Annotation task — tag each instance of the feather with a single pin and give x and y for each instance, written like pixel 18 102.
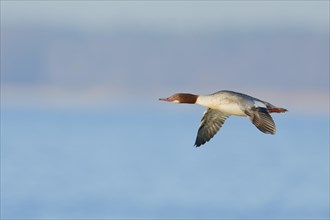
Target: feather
pixel 211 122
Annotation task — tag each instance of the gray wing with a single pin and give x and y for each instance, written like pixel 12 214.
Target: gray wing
pixel 262 120
pixel 210 124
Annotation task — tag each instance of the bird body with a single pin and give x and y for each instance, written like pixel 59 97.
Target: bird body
pixel 221 102
pixel 225 103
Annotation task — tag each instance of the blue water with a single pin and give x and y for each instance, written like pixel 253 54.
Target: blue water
pixel 141 163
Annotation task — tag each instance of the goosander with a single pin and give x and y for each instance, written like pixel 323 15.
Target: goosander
pixel 223 104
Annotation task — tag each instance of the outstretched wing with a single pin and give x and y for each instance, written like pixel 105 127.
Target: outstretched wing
pixel 262 120
pixel 210 124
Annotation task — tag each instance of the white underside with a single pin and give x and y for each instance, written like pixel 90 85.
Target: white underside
pixel 230 108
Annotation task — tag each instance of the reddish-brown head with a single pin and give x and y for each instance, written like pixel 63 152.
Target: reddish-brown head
pixel 181 98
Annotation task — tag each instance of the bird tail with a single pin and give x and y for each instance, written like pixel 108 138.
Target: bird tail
pixel 277 110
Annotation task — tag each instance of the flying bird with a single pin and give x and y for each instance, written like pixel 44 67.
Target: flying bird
pixel 223 104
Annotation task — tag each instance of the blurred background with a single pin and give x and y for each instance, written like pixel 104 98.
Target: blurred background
pixel 83 134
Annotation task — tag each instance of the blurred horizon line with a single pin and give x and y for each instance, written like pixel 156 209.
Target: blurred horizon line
pixel 305 102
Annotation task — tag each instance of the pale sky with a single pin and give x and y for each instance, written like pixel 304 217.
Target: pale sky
pixel 175 15
pixel 166 15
